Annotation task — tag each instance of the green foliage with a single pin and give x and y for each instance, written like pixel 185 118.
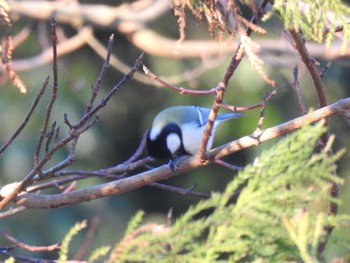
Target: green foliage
pixel 63 254
pixel 135 222
pixel 10 260
pixel 98 253
pixel 64 250
pixel 318 20
pixel 274 218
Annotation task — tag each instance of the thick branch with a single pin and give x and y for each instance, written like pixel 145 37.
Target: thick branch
pixel 184 165
pixel 131 20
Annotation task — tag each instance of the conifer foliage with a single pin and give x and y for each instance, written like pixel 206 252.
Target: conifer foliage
pixel 273 218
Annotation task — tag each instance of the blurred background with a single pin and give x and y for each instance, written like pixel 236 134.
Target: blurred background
pixel 131 110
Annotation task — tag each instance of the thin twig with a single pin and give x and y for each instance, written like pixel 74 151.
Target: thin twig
pixel 251 107
pixel 219 97
pixel 115 62
pixel 297 90
pixel 87 240
pixel 12 211
pixel 261 118
pixel 98 84
pixel 74 175
pixel 26 118
pixel 184 165
pixel 49 137
pixel 181 90
pixel 126 167
pixel 127 164
pixel 33 260
pixel 321 97
pixel 181 191
pixel 37 168
pixel 74 132
pixel 228 165
pixel 20 244
pixel 53 94
pixel 310 64
pixel 104 101
pixel 324 70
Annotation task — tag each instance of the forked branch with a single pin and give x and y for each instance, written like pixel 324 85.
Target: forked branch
pixel 186 164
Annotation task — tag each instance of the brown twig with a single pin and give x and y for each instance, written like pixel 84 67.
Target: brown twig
pixel 251 107
pixel 181 191
pixel 261 117
pixel 12 211
pixel 317 82
pixel 53 94
pixel 219 97
pixel 27 117
pixel 37 168
pixel 310 64
pixel 96 87
pixel 49 137
pixel 227 165
pixel 324 70
pixel 30 259
pixel 186 164
pixel 336 30
pixel 87 240
pixel 77 129
pixel 297 90
pixel 20 244
pixel 181 90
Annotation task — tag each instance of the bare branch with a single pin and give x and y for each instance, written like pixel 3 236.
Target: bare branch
pixel 261 119
pixel 20 244
pixel 53 94
pixel 76 131
pixel 180 191
pixel 45 57
pixel 164 172
pixel 12 211
pixel 297 90
pixel 324 70
pixel 83 249
pixel 310 64
pixel 235 61
pixel 27 117
pixel 251 107
pixel 96 87
pixel 340 107
pixel 227 165
pixel 181 90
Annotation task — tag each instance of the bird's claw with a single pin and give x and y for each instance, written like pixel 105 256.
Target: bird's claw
pixel 174 163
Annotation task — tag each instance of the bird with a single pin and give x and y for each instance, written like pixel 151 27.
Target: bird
pixel 178 131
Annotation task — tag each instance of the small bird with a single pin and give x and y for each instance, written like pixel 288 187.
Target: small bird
pixel 179 130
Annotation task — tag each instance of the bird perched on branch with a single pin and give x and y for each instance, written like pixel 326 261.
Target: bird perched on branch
pixel 179 131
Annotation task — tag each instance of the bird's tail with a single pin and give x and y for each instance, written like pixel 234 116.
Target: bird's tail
pixel 228 116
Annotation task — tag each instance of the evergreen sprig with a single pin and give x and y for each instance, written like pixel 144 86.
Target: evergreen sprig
pixel 269 221
pixel 64 250
pixel 318 20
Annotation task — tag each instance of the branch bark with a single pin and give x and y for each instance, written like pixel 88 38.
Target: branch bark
pixel 186 164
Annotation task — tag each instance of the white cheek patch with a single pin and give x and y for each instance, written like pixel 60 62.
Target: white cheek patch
pixel 154 134
pixel 173 142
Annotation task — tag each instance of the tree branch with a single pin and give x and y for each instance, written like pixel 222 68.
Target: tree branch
pixel 219 97
pixel 27 117
pixel 186 164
